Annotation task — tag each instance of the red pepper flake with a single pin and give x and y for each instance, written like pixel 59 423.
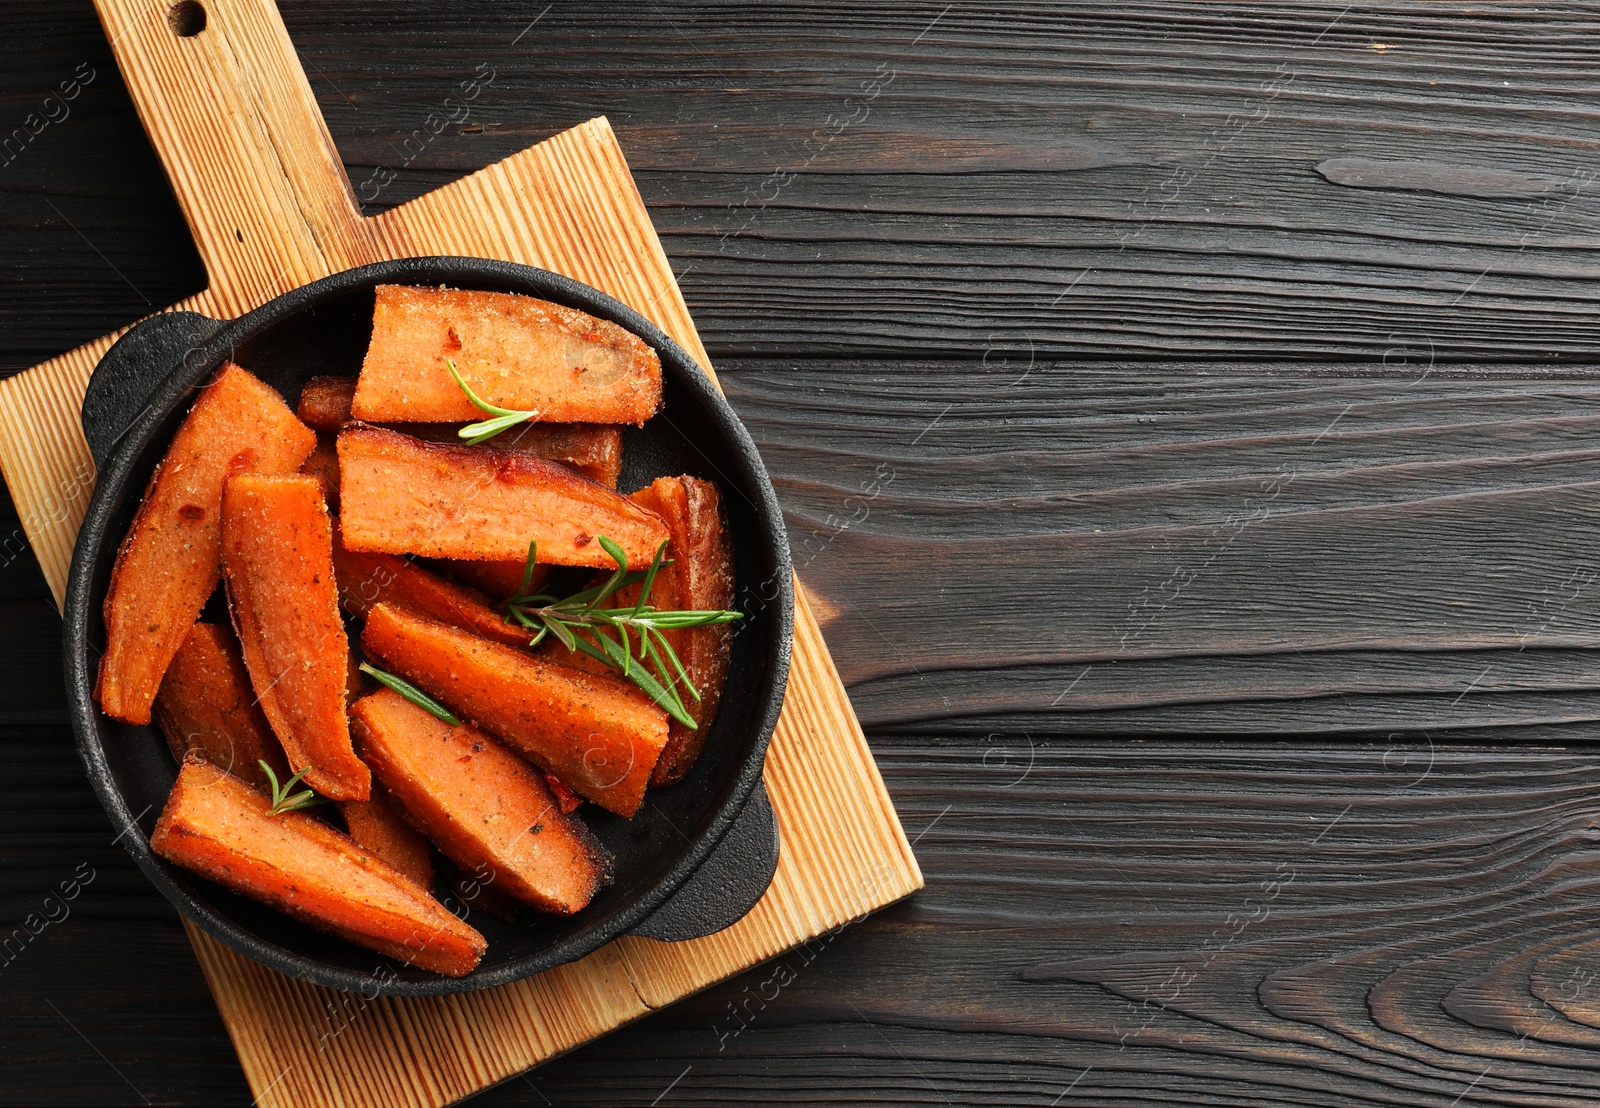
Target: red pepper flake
pixel 566 800
pixel 192 511
pixel 583 538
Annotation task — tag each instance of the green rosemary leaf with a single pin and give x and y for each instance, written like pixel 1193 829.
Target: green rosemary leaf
pixel 411 692
pixel 616 552
pixel 688 618
pixel 615 582
pixel 540 627
pixel 580 623
pixel 527 569
pixel 676 664
pixel 474 397
pixel 663 673
pixel 281 800
pixel 584 646
pixel 665 698
pixel 650 578
pixel 583 599
pixel 475 433
pixel 648 653
pixel 627 652
pixel 307 799
pixel 562 632
pixel 505 418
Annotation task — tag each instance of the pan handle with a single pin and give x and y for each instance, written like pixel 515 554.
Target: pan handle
pixel 725 888
pixel 129 373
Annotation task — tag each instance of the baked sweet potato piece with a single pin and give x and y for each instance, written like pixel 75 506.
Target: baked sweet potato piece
pixel 700 577
pixel 399 495
pixel 171 558
pixel 220 828
pixel 593 449
pixel 376 825
pixel 206 707
pixel 500 580
pixel 325 402
pixel 277 554
pixel 486 809
pixel 514 351
pixel 323 464
pixel 599 734
pixel 366 579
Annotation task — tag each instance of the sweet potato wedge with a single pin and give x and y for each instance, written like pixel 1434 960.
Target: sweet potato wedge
pixel 514 351
pixel 701 578
pixel 500 580
pixel 206 707
pixel 170 560
pixel 399 495
pixel 220 828
pixel 323 464
pixel 599 734
pixel 376 825
pixel 488 811
pixel 277 556
pixel 325 402
pixel 366 579
pixel 593 449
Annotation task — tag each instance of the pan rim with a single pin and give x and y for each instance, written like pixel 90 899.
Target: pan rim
pixel 111 489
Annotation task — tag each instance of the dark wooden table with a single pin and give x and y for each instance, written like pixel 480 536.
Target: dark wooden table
pixel 1188 422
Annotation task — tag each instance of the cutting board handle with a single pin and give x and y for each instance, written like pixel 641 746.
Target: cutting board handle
pixel 230 113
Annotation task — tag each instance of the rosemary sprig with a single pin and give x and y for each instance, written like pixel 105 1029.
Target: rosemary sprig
pixel 281 800
pixel 505 418
pixel 410 692
pixel 582 625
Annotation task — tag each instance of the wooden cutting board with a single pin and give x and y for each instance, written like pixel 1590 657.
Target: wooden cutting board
pixel 232 118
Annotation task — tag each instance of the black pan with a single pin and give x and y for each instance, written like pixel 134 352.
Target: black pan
pixel 696 857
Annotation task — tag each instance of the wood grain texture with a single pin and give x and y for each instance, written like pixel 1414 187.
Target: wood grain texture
pixel 1160 158
pixel 1446 911
pixel 1180 923
pixel 1292 553
pixel 234 123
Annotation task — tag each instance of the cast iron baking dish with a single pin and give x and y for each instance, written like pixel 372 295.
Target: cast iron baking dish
pixel 696 857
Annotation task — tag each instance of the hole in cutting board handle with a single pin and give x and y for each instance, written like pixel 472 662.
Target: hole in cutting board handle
pixel 187 18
